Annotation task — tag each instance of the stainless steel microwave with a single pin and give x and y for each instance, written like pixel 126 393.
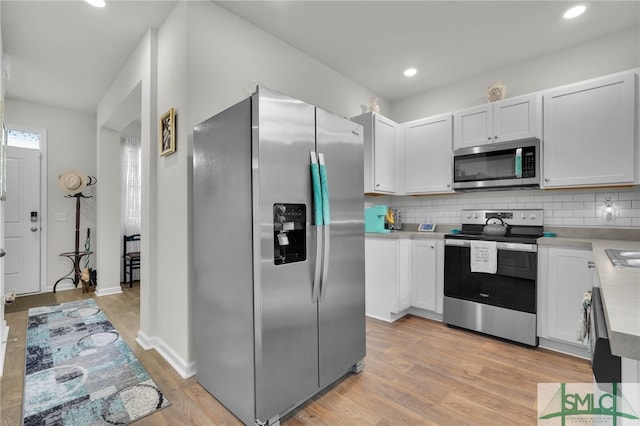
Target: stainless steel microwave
pixel 501 165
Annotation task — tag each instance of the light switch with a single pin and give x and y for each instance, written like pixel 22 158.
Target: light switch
pixel 61 217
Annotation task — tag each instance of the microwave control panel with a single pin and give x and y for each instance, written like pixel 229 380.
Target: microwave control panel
pixel 529 162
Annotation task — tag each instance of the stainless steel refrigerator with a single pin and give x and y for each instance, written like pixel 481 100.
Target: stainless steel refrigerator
pixel 279 253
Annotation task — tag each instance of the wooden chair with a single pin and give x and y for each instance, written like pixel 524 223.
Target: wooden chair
pixel 131 259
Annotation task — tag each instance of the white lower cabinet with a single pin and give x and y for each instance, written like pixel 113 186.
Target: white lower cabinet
pixel 564 275
pixel 427 274
pixel 387 285
pixel 403 273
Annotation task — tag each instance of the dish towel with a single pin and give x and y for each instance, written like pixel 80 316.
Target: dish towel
pixel 484 256
pixel 584 321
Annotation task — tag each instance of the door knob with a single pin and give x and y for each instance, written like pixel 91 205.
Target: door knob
pixel 34 229
pixel 3 252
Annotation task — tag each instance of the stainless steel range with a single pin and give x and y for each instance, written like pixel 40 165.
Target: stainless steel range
pixel 491 273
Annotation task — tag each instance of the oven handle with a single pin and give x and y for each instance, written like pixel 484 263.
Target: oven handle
pixel 531 248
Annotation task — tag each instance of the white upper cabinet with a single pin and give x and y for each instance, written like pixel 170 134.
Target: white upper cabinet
pixel 502 121
pixel 589 133
pixel 380 153
pixel 427 155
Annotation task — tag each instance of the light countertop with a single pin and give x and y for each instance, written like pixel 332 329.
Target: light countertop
pixel 413 235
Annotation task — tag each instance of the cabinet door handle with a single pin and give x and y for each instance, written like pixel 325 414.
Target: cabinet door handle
pixel 546 179
pixel 495 137
pixel 489 138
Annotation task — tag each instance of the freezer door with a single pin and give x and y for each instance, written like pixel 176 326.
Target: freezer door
pixel 342 307
pixel 286 333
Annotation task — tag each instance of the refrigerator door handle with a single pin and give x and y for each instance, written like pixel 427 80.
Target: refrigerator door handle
pixel 317 190
pixel 326 219
pixel 325 263
pixel 324 185
pixel 317 276
pixel 317 221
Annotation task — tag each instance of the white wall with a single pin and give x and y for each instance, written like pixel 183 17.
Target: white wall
pixel 607 55
pixel 228 57
pixel 71 145
pixel 174 266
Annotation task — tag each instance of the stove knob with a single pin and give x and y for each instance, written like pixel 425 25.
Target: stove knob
pixel 475 215
pixel 533 216
pixel 523 216
pixel 468 215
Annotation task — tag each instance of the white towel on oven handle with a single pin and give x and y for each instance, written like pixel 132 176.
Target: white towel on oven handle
pixel 484 256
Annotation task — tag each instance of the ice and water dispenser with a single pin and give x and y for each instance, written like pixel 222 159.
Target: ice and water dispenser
pixel 289 233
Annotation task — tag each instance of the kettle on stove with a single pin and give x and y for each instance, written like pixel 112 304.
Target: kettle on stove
pixel 495 226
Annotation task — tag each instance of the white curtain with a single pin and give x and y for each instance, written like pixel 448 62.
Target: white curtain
pixel 131 189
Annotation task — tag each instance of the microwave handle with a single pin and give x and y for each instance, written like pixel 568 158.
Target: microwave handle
pixel 518 165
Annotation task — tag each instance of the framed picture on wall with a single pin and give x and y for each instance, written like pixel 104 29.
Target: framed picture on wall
pixel 168 132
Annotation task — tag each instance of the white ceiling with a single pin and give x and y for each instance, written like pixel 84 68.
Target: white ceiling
pixel 66 53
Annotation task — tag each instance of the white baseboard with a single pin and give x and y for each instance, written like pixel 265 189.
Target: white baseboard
pixel 183 368
pixel 100 291
pixel 391 317
pixel 564 348
pixel 64 285
pixel 419 312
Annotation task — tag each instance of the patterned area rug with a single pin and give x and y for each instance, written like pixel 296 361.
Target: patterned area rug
pixel 79 371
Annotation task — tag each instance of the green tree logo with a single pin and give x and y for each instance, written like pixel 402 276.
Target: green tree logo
pixel 565 404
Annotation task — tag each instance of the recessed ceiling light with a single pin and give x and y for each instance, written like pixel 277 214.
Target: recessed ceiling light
pixel 410 72
pixel 574 12
pixel 96 3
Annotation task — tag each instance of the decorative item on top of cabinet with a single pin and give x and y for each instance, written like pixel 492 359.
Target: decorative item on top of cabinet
pixel 590 133
pixel 427 155
pixel 374 107
pixel 496 91
pixel 501 121
pixel 380 153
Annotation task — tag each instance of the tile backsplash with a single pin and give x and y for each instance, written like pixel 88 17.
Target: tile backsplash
pixel 574 208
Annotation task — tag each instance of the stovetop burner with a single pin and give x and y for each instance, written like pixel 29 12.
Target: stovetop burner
pixel 524 226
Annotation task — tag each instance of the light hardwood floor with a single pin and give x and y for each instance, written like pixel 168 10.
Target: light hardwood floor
pixel 418 372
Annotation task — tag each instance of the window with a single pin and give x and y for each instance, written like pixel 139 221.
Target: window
pixel 23 139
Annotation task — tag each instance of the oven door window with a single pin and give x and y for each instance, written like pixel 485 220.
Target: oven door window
pixel 513 286
pixel 495 165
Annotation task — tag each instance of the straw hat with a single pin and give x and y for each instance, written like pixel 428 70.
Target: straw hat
pixel 73 182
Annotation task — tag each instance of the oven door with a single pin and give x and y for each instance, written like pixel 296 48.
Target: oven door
pixel 513 286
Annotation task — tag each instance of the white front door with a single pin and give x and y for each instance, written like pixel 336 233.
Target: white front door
pixel 22 221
